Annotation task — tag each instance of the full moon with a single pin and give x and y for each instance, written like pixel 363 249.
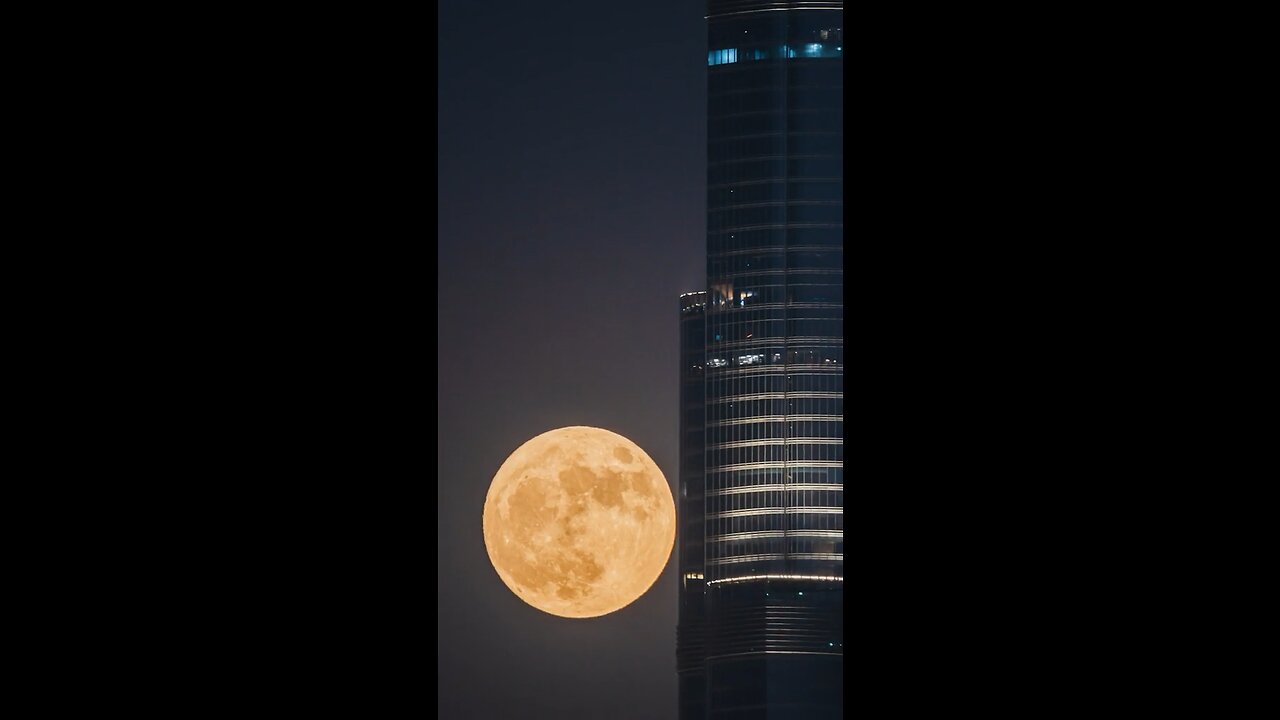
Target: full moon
pixel 579 522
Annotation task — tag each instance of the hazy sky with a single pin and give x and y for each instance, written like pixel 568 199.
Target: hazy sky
pixel 571 216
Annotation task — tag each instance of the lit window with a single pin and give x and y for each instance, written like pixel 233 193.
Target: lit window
pixel 731 55
pixel 722 57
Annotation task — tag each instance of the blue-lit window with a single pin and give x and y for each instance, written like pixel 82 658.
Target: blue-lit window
pixel 808 50
pixel 722 57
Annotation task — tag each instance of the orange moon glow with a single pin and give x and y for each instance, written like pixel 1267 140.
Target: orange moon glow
pixel 579 522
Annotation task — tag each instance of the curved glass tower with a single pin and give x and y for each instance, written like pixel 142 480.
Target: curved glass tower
pixel 762 464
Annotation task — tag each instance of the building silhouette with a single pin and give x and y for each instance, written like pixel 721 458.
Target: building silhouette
pixel 761 541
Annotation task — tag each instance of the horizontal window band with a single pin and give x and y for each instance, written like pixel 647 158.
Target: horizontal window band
pixel 776 418
pixel 780 133
pixel 769 465
pixel 775 464
pixel 762 249
pixel 726 315
pixel 794 114
pixel 812 180
pixel 746 536
pixel 732 489
pixel 753 279
pixel 807 510
pixel 777 278
pixel 758 158
pixel 779 576
pixel 833 509
pixel 775 250
pixel 780 226
pixel 775 487
pixel 775 556
pixel 807 344
pixel 700 666
pixel 745 558
pixel 780 369
pixel 769 442
pixel 773 312
pixel 785 158
pixel 772 203
pixel 776 534
pixel 806 395
pixel 720 479
pixel 713 397
pixel 746 182
pixel 725 478
pixel 720 94
pixel 795 342
pixel 772 320
pixel 833 367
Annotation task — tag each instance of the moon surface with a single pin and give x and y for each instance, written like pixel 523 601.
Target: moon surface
pixel 579 522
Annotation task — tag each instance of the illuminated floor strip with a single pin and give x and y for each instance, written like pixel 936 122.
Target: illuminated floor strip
pixel 760 534
pixel 837 557
pixel 772 487
pixel 793 395
pixel 794 510
pixel 780 464
pixel 771 442
pixel 762 419
pixel 747 578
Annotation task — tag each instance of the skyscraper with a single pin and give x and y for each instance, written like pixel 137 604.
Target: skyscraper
pixel 761 631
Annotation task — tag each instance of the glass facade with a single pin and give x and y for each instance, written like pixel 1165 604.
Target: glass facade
pixel 762 401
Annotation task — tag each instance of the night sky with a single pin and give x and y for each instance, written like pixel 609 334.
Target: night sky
pixel 571 169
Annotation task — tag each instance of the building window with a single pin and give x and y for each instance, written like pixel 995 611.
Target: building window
pixel 722 57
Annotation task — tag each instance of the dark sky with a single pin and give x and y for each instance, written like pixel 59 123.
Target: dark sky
pixel 571 216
